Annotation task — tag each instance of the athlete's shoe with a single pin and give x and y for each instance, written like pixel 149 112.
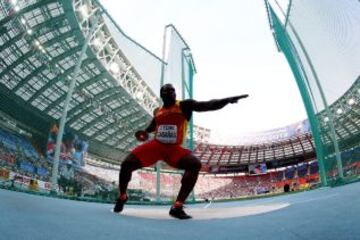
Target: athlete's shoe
pixel 119 205
pixel 178 212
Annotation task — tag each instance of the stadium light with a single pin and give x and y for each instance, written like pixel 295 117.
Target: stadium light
pixel 351 101
pixel 23 21
pixel 84 10
pixel 29 31
pixel 339 111
pixel 326 119
pixel 16 8
pixel 37 43
pixel 97 42
pixel 114 68
pixel 139 95
pixel 14 2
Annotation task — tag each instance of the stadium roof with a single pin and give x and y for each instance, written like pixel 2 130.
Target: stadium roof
pixel 346 112
pixel 40 46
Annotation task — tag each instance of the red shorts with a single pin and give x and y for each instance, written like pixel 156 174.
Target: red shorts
pixel 153 151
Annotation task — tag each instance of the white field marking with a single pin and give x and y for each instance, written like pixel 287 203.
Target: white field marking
pixel 204 214
pixel 208 205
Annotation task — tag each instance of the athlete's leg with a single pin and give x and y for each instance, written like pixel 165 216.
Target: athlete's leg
pixel 142 156
pixel 130 164
pixel 192 166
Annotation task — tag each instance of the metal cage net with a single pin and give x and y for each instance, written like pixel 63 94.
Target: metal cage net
pixel 179 70
pixel 319 40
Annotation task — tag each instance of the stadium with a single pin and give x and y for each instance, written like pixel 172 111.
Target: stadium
pixel 74 89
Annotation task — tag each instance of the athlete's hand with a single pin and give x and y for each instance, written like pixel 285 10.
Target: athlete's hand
pixel 141 135
pixel 236 98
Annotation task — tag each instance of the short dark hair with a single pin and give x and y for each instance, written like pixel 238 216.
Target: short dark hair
pixel 166 85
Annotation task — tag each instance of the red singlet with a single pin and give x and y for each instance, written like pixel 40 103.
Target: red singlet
pixel 170 132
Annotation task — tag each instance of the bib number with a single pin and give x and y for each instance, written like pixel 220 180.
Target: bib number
pixel 167 134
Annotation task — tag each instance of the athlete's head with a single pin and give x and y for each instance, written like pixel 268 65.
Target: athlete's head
pixel 167 94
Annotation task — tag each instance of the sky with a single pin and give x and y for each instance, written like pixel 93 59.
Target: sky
pixel 234 53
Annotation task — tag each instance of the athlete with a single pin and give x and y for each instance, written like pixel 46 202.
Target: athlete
pixel 169 124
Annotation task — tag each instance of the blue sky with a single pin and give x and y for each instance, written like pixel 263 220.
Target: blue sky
pixel 234 53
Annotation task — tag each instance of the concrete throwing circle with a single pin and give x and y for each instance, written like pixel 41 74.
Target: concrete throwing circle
pixel 204 213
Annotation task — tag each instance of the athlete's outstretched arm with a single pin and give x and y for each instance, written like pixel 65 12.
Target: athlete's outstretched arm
pixel 211 105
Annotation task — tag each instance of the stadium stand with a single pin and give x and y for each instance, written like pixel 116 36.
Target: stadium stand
pixel 40 45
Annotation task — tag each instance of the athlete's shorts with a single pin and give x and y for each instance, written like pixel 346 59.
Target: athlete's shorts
pixel 153 151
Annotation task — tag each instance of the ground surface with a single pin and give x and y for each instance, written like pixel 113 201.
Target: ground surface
pixel 329 213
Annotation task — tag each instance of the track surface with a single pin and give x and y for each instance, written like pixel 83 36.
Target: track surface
pixel 330 213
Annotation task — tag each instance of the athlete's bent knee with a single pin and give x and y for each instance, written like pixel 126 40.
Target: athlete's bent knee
pixel 126 165
pixel 196 165
pixel 131 163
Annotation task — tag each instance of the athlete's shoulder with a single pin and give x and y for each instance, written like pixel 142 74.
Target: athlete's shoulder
pixel 187 102
pixel 187 105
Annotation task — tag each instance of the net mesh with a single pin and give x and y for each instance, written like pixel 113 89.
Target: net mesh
pixel 319 40
pixel 178 71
